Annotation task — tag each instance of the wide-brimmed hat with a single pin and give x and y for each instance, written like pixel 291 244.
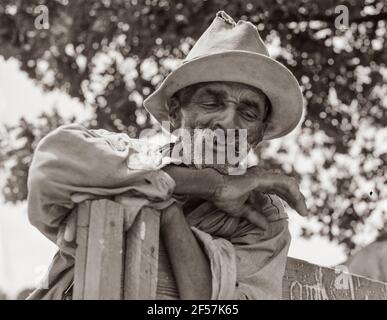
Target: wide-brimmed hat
pixel 230 51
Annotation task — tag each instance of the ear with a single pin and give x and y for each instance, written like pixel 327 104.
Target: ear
pixel 265 125
pixel 260 136
pixel 174 112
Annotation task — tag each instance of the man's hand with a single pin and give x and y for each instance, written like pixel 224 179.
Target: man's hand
pixel 241 207
pixel 233 192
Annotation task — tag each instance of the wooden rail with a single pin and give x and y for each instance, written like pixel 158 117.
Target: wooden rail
pixel 306 281
pixel 113 264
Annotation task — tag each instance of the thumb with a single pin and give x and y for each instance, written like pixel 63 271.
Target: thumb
pixel 71 228
pixel 254 216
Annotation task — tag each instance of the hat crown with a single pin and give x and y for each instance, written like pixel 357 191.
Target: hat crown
pixel 224 34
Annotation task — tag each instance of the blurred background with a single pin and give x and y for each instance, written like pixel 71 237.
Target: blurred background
pixel 94 62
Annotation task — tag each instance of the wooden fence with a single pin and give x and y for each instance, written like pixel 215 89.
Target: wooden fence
pixel 113 264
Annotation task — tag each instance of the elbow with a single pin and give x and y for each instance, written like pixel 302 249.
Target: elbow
pixel 35 178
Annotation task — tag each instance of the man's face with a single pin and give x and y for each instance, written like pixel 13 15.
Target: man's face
pixel 223 105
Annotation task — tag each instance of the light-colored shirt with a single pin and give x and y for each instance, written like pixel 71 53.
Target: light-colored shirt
pixel 73 164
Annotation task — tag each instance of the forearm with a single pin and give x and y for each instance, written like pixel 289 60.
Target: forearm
pixel 201 183
pixel 189 263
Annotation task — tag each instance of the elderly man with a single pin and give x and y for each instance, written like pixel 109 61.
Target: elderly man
pixel 222 236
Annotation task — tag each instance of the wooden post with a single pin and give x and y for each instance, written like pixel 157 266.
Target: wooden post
pixel 83 217
pixel 99 270
pixel 142 253
pixel 112 264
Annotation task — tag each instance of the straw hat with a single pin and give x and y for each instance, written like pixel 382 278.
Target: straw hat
pixel 230 51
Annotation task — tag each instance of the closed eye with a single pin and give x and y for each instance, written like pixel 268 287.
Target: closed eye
pixel 209 104
pixel 249 115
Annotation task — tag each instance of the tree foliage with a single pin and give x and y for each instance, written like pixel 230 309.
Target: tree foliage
pixel 111 54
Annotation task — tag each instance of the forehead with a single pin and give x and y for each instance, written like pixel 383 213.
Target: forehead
pixel 228 90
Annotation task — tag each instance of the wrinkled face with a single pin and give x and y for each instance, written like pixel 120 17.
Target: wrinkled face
pixel 224 105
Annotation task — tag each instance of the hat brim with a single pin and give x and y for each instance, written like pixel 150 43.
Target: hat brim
pixel 253 69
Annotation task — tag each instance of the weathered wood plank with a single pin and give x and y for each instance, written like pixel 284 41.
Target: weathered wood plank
pixel 104 264
pixel 100 263
pixel 306 281
pixel 141 261
pixel 83 218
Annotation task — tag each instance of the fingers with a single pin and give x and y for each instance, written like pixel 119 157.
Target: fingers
pixel 290 192
pixel 254 217
pixel 296 199
pixel 274 181
pixel 300 205
pixel 71 228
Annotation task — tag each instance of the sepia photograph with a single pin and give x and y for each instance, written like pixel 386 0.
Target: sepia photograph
pixel 196 150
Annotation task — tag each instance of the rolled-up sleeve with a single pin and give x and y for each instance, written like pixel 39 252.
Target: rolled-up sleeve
pixel 261 255
pixel 261 266
pixel 222 259
pixel 251 264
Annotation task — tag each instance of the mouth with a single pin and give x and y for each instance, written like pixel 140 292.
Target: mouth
pixel 222 146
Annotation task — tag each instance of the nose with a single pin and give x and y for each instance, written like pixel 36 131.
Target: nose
pixel 226 118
